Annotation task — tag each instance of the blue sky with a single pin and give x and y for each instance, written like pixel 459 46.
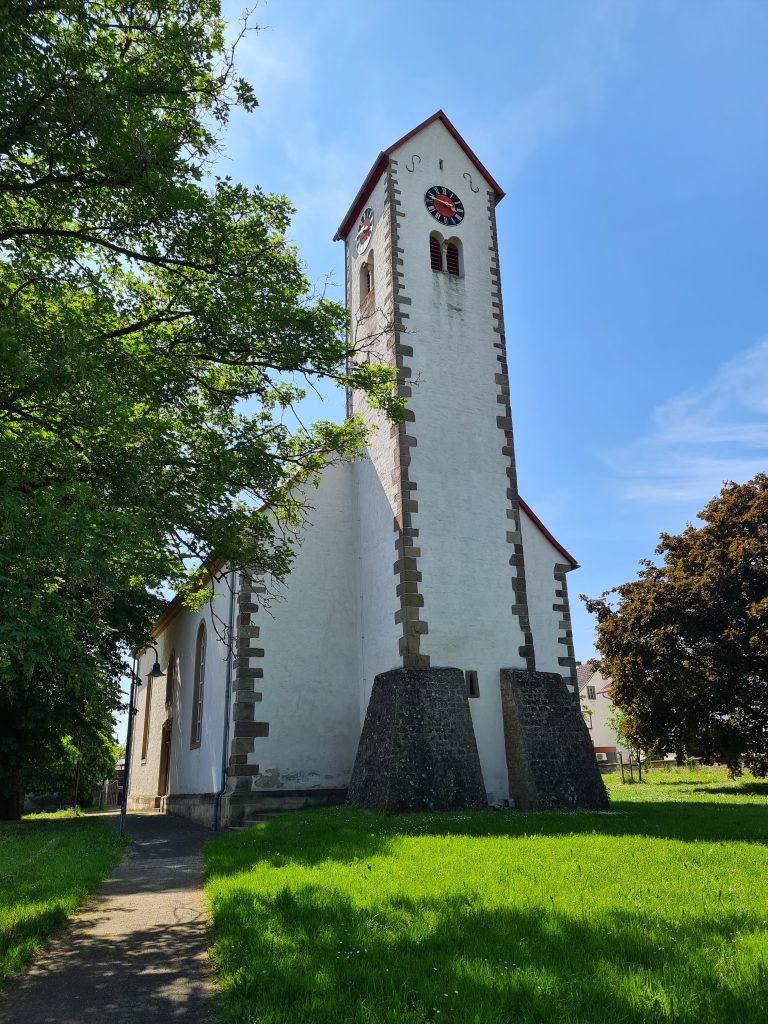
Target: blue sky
pixel 631 140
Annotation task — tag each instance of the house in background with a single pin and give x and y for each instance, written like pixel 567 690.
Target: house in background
pixel 596 703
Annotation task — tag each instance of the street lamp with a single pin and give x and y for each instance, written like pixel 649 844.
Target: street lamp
pixel 154 673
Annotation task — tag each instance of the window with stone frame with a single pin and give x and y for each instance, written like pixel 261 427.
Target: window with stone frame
pixel 198 694
pixel 591 695
pixel 170 680
pixel 366 279
pixel 147 712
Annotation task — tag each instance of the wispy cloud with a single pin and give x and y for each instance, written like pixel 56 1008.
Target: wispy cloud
pixel 700 438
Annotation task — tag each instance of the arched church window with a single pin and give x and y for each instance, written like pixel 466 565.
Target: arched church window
pixel 170 680
pixel 199 688
pixel 453 257
pixel 436 251
pixel 147 713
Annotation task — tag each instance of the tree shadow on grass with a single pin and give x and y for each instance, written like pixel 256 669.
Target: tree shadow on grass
pixel 86 978
pixel 310 954
pixel 343 833
pixel 119 960
pixel 744 788
pixel 20 940
pixel 47 867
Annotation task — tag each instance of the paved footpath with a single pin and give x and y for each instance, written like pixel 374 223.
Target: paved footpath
pixel 137 950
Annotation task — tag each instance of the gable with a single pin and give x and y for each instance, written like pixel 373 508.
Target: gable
pixel 545 533
pixel 381 162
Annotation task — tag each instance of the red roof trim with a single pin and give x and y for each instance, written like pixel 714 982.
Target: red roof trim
pixel 537 522
pixel 360 199
pixel 382 160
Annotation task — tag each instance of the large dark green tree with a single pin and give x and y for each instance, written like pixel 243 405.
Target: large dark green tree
pixel 686 643
pixel 143 301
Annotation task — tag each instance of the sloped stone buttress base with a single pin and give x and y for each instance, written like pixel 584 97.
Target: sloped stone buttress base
pixel 417 748
pixel 550 760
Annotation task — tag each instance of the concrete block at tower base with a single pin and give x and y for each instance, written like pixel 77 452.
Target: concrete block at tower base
pixel 550 760
pixel 418 749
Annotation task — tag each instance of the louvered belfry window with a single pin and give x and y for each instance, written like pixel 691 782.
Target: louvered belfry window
pixel 435 253
pixel 452 259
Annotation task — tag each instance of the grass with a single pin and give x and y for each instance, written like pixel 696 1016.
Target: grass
pixel 48 865
pixel 655 912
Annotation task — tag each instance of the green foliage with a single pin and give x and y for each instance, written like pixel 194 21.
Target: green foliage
pixel 73 769
pixel 616 721
pixel 655 913
pixel 686 644
pixel 48 865
pixel 143 301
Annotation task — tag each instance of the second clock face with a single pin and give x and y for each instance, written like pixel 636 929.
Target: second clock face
pixel 364 231
pixel 444 205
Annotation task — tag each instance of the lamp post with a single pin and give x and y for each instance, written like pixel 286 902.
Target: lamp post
pixel 153 674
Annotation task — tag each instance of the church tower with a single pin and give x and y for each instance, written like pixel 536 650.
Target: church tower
pixel 420 653
pixel 446 570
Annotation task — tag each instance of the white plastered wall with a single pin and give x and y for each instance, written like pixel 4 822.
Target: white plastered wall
pixel 192 770
pixel 376 493
pixel 311 651
pixel 600 709
pixel 457 464
pixel 145 772
pixel 541 557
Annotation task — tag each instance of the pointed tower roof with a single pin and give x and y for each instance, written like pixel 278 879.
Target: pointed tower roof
pixel 382 160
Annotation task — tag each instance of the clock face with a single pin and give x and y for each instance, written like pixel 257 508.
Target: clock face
pixel 444 205
pixel 364 231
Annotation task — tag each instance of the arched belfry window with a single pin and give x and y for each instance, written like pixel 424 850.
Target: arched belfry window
pixel 453 257
pixel 199 688
pixel 436 251
pixel 366 278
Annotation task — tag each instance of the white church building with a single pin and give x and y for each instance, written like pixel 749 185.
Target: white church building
pixel 418 556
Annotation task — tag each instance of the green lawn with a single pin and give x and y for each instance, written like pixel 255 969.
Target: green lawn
pixel 657 911
pixel 48 865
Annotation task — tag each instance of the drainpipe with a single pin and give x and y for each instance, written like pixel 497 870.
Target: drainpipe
pixel 227 709
pixel 128 745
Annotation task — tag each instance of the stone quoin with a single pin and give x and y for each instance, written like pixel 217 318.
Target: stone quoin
pixel 421 652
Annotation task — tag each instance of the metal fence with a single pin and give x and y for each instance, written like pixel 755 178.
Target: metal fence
pixel 633 769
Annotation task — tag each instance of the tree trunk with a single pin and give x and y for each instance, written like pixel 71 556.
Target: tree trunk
pixel 11 806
